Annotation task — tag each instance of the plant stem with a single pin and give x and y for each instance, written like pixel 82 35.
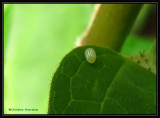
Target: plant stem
pixel 145 25
pixel 110 25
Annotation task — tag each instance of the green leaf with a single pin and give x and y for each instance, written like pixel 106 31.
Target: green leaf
pixel 111 85
pixel 144 56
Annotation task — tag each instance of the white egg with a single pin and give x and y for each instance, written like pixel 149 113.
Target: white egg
pixel 90 55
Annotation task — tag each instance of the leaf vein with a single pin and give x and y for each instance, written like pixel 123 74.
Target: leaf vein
pixel 105 97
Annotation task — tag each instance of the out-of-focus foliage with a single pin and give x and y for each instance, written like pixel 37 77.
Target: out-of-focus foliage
pixel 137 40
pixel 134 44
pixel 145 24
pixel 36 38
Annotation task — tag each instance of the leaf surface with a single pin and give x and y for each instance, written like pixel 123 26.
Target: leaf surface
pixel 112 85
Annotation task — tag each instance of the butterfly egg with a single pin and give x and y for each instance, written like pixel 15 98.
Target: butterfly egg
pixel 90 55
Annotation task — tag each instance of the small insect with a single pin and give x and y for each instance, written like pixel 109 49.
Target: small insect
pixel 90 55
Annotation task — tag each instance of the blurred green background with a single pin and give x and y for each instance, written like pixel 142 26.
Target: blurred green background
pixel 36 38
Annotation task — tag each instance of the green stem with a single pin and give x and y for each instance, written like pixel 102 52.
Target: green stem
pixel 110 25
pixel 145 24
